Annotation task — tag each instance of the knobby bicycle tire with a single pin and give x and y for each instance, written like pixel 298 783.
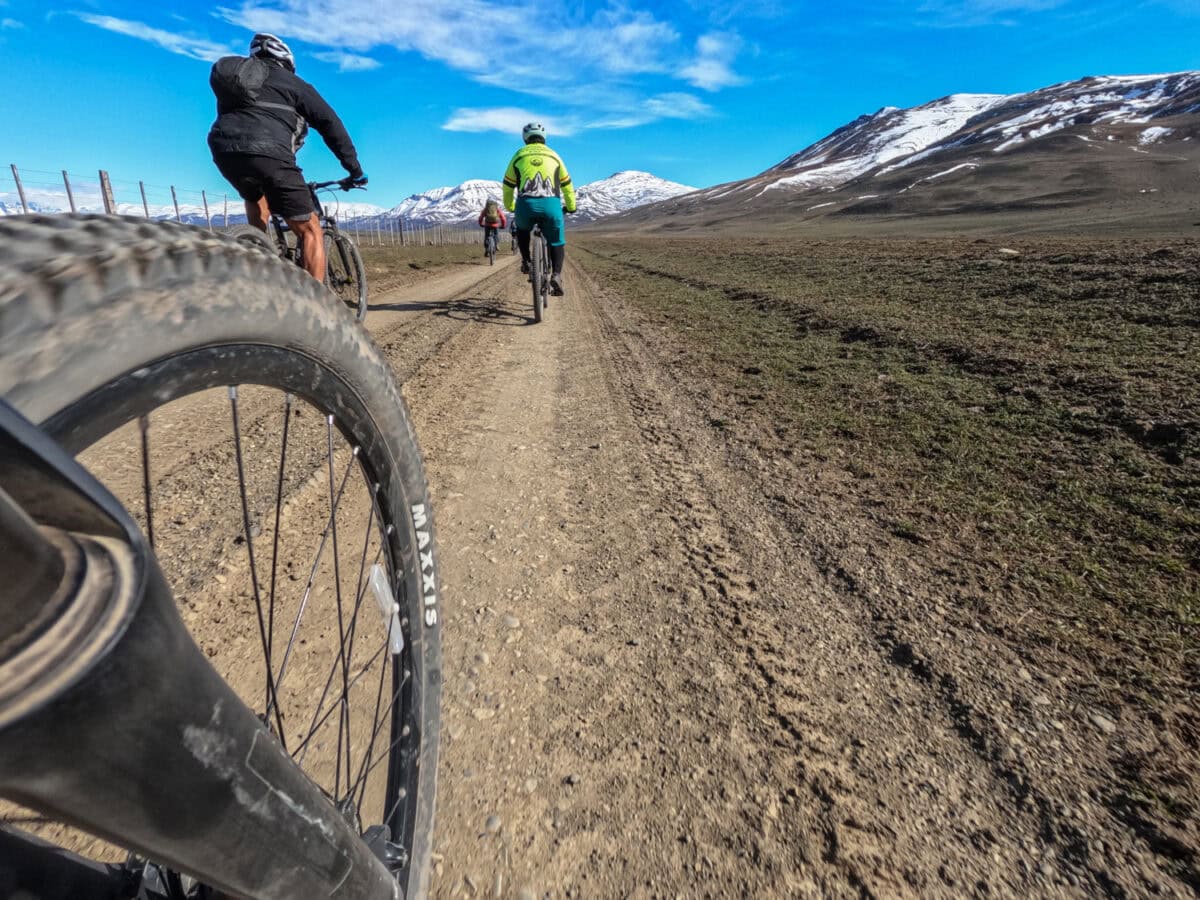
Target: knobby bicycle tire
pixel 346 275
pixel 253 237
pixel 546 272
pixel 149 313
pixel 537 276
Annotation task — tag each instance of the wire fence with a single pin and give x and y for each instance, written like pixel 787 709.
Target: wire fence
pixel 24 191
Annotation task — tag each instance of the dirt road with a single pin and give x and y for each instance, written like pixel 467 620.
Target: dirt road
pixel 675 668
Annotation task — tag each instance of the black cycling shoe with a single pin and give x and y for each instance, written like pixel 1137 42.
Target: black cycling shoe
pixel 524 267
pixel 556 285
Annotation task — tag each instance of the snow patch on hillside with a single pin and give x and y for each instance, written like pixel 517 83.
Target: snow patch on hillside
pixel 873 141
pixel 1156 133
pixel 624 191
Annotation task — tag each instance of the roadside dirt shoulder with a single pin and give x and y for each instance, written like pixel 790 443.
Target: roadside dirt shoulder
pixel 669 670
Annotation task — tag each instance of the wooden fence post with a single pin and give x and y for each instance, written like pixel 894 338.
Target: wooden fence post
pixel 70 193
pixel 175 200
pixel 20 189
pixel 207 217
pixel 106 194
pixel 145 205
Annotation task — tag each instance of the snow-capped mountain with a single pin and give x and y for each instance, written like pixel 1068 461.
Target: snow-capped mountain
pixel 50 202
pixel 449 205
pixel 456 205
pixel 1070 145
pixel 10 205
pixel 996 123
pixel 623 191
pixel 870 141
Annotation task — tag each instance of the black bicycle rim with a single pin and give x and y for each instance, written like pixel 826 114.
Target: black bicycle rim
pixel 136 395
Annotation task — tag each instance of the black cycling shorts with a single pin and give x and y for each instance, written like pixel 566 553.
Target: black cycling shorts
pixel 282 183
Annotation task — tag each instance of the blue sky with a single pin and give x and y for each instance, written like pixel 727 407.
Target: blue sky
pixel 433 93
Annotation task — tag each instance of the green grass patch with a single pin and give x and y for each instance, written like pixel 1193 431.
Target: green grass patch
pixel 1039 416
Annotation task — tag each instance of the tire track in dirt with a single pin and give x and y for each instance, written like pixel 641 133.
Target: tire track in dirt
pixel 663 677
pixel 619 580
pixel 832 763
pixel 1051 830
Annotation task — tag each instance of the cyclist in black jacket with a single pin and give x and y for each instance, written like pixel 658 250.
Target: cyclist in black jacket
pixel 263 114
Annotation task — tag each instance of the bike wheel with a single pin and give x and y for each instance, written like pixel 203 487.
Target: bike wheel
pixel 345 274
pixel 129 358
pixel 537 277
pixel 491 248
pixel 253 237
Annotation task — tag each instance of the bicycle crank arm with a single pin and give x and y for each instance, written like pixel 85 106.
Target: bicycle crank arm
pixel 113 720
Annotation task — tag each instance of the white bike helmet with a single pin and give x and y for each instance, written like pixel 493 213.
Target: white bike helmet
pixel 270 47
pixel 532 130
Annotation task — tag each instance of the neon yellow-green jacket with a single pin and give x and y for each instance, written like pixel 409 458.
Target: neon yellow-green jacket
pixel 537 171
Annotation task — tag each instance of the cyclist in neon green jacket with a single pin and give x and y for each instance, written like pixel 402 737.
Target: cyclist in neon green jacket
pixel 543 192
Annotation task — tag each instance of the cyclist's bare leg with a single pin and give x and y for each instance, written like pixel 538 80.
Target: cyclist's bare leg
pixel 258 213
pixel 312 242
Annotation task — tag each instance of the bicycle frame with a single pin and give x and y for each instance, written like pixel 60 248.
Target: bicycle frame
pixel 97 732
pixel 280 226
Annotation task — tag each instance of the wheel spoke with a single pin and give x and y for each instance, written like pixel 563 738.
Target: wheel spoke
pixel 253 568
pixel 343 719
pixel 333 669
pixel 366 766
pixel 312 575
pixel 301 748
pixel 359 593
pixel 144 428
pixel 272 700
pixel 287 419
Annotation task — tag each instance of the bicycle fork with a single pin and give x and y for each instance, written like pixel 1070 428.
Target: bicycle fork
pixel 113 720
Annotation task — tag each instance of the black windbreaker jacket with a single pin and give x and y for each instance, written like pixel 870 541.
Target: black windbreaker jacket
pixel 276 124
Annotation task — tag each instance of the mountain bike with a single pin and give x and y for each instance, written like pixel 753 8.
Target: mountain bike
pixel 345 274
pixel 539 272
pixel 490 241
pixel 220 658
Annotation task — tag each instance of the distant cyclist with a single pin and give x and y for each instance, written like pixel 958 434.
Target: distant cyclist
pixel 544 190
pixel 263 114
pixel 491 220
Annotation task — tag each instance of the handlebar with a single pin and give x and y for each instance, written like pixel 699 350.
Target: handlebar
pixel 341 183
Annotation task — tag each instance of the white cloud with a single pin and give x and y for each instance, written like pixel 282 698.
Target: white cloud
pixel 973 13
pixel 518 46
pixel 505 119
pixel 510 120
pixel 11 23
pixel 653 109
pixel 622 44
pixel 608 68
pixel 458 35
pixel 196 48
pixel 712 67
pixel 677 106
pixel 348 62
